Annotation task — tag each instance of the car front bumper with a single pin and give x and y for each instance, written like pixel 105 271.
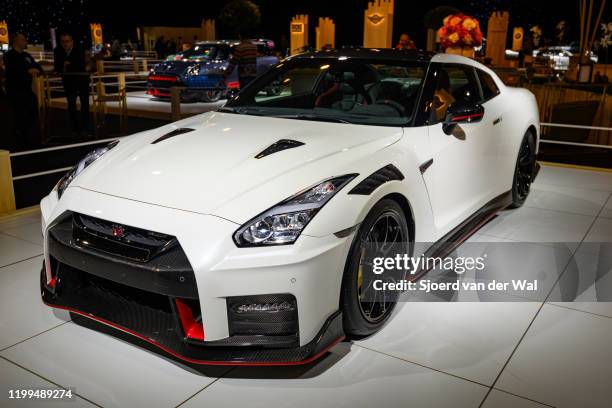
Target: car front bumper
pixel 140 298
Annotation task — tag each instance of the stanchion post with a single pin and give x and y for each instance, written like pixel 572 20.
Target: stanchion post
pixel 7 193
pixel 100 67
pixel 38 86
pixel 145 68
pixel 122 91
pixel 175 102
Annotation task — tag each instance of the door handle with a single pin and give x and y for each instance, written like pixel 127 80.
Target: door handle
pixel 496 121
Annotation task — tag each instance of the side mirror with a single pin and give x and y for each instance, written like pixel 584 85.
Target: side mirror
pixel 462 113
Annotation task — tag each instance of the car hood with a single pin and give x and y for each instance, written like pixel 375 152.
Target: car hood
pixel 213 169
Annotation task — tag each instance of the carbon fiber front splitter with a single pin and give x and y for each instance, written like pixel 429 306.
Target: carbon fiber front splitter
pixel 146 316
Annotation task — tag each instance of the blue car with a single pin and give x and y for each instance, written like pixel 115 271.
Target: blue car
pixel 201 69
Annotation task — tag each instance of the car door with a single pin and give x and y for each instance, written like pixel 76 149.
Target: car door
pixel 459 180
pixel 497 123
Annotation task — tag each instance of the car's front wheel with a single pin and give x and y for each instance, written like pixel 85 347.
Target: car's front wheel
pixel 523 171
pixel 211 96
pixel 384 230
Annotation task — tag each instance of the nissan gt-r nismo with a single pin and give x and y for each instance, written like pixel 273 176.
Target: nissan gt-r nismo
pixel 237 236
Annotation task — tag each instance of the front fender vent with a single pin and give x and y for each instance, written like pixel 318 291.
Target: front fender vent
pixel 282 144
pixel 377 179
pixel 172 133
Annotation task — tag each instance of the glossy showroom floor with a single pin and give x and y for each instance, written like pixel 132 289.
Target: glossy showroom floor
pixel 515 354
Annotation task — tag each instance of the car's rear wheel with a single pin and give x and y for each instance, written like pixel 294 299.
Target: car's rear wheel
pixel 364 309
pixel 524 171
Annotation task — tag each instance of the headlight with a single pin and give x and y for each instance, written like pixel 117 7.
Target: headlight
pixel 283 223
pixel 91 157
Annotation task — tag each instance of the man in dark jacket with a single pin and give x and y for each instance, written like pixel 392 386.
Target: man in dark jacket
pixel 70 62
pixel 20 69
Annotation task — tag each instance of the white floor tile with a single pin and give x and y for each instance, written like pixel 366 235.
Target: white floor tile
pixel 595 180
pixel 606 212
pixel 13 377
pixel 9 222
pixel 24 314
pixel 14 250
pixel 362 378
pixel 106 370
pixel 601 231
pixel 500 399
pixel 598 308
pixel 29 232
pixel 586 284
pixel 564 360
pixel 570 199
pixel 536 225
pixel 508 261
pixel 479 237
pixel 471 340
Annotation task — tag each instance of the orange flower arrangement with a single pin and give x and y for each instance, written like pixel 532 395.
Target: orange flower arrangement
pixel 460 30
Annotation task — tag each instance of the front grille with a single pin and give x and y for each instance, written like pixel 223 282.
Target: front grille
pixel 120 240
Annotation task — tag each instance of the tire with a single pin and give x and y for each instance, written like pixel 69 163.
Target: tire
pixel 362 319
pixel 523 171
pixel 211 96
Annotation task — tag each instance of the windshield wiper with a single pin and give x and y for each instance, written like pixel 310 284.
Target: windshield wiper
pixel 310 116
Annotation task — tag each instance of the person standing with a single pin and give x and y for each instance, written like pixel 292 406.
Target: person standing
pixel 20 69
pixel 160 47
pixel 244 57
pixel 70 62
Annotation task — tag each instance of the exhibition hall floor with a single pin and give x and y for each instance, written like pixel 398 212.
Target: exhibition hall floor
pixel 515 354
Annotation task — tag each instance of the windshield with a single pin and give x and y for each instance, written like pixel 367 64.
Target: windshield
pixel 367 92
pixel 207 51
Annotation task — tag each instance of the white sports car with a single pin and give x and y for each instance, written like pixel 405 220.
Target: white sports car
pixel 236 236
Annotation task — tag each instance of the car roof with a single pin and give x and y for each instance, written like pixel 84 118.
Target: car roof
pixel 370 53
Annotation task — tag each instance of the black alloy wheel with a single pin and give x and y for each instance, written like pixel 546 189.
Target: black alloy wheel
pixel 382 233
pixel 524 171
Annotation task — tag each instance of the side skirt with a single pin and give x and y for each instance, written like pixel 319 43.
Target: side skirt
pixel 466 229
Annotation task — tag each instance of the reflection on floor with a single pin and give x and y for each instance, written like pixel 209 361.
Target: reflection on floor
pixel 516 354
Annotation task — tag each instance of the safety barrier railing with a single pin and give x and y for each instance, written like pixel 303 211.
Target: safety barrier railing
pixel 580 144
pixel 108 94
pixel 7 179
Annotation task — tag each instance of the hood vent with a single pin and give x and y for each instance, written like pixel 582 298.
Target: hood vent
pixel 172 133
pixel 282 144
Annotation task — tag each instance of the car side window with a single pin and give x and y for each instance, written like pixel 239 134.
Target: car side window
pixel 456 83
pixel 488 86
